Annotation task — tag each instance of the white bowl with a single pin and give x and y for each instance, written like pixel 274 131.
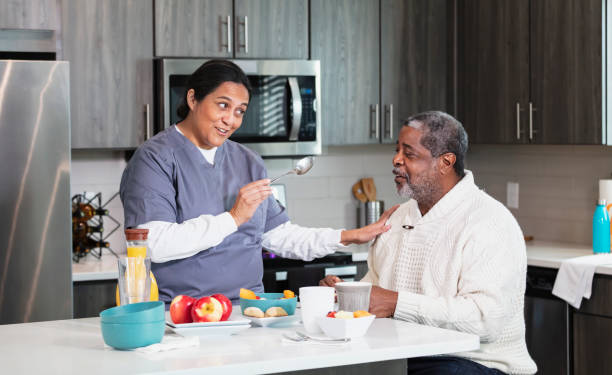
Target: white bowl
pixel 345 328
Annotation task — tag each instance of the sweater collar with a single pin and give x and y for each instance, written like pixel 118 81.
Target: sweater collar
pixel 458 194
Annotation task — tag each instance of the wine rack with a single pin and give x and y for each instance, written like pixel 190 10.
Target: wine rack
pixel 89 234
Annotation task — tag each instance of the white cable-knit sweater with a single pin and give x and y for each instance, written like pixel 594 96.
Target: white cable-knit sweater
pixel 461 267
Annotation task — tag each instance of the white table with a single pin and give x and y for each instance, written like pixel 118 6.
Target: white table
pixel 76 347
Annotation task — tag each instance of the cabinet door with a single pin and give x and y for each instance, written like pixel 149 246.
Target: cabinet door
pixel 493 69
pixel 413 68
pixel 274 29
pixel 194 28
pixel 344 37
pixel 592 341
pixel 110 49
pixel 566 71
pixel 28 14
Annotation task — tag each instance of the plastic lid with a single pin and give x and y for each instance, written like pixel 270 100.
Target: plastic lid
pixel 136 234
pixel 601 202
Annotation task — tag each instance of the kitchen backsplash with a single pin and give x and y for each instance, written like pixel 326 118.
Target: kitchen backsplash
pixel 557 184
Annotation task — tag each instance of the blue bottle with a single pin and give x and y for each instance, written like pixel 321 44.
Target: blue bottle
pixel 601 228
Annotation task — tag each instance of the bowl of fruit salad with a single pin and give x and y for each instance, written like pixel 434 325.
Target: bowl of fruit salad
pixel 260 305
pixel 345 324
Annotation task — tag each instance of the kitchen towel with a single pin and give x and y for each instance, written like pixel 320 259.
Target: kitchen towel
pixel 575 277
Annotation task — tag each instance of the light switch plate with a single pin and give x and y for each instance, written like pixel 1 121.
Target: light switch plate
pixel 512 195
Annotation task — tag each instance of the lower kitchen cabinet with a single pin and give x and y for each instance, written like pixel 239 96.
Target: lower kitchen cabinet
pixel 91 297
pixel 592 342
pixel 592 329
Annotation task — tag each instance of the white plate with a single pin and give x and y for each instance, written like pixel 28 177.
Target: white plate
pixel 235 319
pixel 280 321
pixel 211 330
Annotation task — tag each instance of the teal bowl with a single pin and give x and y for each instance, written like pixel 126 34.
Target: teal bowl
pixel 271 300
pixel 125 336
pixel 141 312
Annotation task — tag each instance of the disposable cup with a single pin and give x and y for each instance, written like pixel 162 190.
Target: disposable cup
pixel 315 301
pixel 134 279
pixel 353 295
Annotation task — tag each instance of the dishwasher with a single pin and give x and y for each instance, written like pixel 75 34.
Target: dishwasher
pixel 547 323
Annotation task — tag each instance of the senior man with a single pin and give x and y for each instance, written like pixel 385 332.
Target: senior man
pixel 454 257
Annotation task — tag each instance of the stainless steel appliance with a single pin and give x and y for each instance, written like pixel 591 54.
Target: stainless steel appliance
pixel 547 323
pixel 35 233
pixel 283 118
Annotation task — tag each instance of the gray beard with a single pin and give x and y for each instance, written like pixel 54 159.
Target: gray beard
pixel 423 189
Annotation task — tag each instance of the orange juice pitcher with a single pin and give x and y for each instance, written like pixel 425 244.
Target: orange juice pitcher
pixel 137 248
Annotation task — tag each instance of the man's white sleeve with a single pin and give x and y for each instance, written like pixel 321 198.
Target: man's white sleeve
pixel 170 241
pixel 295 242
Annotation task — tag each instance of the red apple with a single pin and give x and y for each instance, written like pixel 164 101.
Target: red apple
pixel 180 309
pixel 227 305
pixel 207 309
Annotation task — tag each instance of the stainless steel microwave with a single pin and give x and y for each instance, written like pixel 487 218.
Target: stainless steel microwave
pixel 284 114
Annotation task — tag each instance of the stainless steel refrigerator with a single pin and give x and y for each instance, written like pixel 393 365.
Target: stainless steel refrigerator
pixel 35 213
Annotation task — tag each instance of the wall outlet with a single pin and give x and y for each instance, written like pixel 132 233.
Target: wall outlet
pixel 512 195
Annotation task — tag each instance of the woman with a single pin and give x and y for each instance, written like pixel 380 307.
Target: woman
pixel 207 201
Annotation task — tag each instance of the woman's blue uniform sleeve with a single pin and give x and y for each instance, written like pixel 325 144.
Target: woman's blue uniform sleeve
pixel 276 214
pixel 147 190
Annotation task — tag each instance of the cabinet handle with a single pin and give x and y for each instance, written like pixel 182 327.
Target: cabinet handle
pixel 518 120
pixel 245 25
pixel 228 25
pixel 147 122
pixel 531 110
pixel 374 130
pixel 389 121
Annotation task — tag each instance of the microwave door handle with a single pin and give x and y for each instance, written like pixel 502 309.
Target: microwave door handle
pixel 296 114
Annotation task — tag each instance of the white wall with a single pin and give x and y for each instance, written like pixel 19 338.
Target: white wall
pixel 100 171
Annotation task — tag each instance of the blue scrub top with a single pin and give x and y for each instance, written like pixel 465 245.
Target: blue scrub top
pixel 169 180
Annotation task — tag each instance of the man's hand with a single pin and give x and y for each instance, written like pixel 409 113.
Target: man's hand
pixel 330 280
pixel 369 232
pixel 382 302
pixel 249 198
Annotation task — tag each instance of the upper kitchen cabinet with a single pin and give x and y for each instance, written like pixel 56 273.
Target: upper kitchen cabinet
pixel 109 45
pixel 493 69
pixel 263 29
pixel 414 61
pixel 194 28
pixel 566 71
pixel 271 29
pixel 371 79
pixel 530 71
pixel 28 14
pixel 344 36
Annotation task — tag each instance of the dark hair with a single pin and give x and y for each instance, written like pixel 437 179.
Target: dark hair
pixel 442 134
pixel 208 77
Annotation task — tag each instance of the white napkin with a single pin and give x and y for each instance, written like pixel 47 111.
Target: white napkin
pixel 170 342
pixel 575 277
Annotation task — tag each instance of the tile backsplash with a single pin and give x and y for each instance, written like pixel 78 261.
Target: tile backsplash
pixel 557 184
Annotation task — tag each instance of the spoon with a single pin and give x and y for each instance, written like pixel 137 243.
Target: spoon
pixel 302 166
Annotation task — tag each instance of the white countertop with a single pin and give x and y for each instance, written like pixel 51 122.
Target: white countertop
pixel 551 254
pixel 76 347
pixel 539 253
pixel 90 268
